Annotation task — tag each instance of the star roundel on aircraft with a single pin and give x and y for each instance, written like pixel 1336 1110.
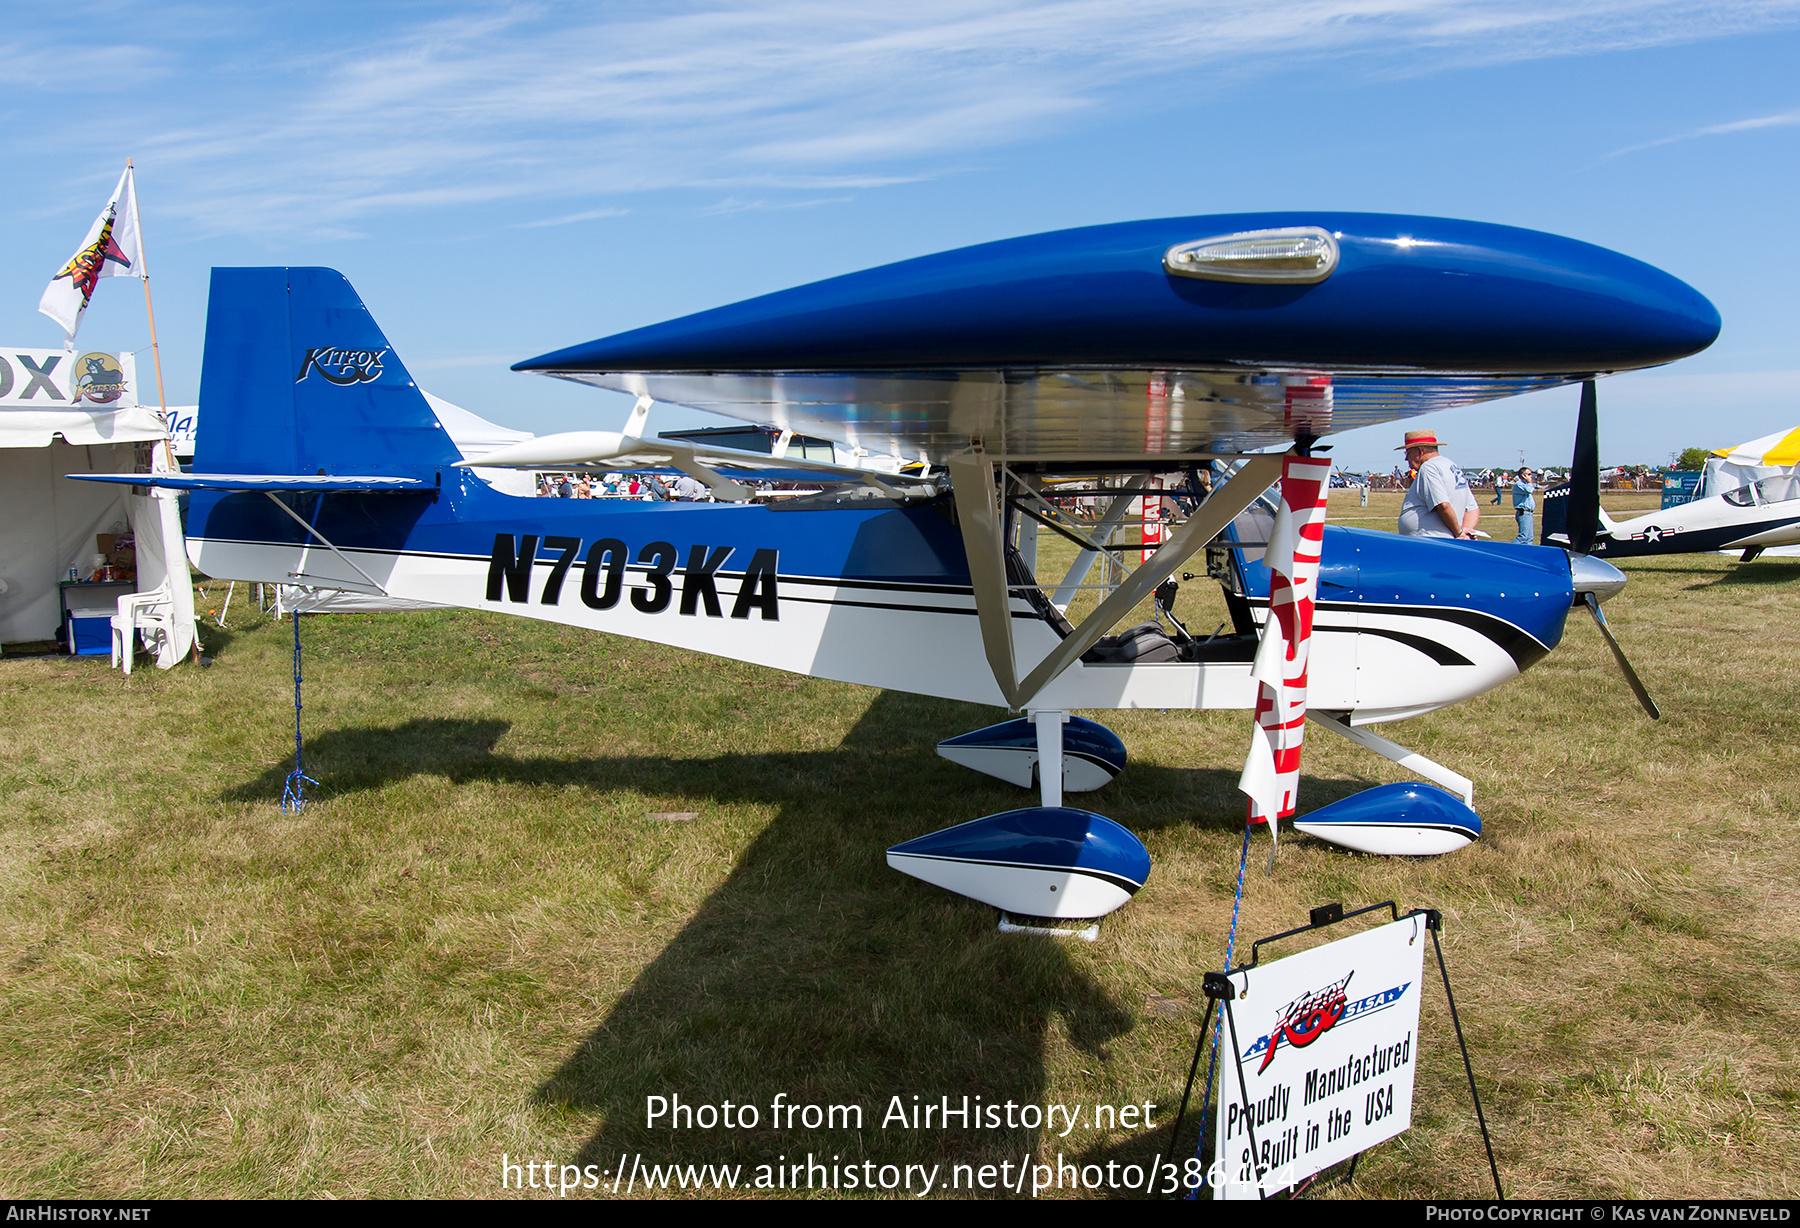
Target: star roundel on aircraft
pixel 1113 352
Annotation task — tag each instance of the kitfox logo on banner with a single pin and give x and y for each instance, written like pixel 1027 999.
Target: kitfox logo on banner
pixel 66 379
pixel 1327 1041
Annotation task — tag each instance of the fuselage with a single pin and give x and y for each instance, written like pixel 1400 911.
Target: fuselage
pixel 1764 513
pixel 882 596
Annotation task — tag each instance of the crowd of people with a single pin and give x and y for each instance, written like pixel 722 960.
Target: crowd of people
pixel 645 486
pixel 1439 502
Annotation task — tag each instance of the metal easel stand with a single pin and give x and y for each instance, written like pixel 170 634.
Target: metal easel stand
pixel 1218 988
pixel 1434 921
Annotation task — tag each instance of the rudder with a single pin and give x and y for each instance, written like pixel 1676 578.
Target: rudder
pixel 297 378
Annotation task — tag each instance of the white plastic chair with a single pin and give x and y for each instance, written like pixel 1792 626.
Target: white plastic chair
pixel 152 612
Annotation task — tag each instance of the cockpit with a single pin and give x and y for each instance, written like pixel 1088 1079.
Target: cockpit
pixel 1782 488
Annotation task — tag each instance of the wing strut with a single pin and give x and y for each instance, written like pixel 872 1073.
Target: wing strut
pixel 1084 561
pixel 977 509
pixel 346 558
pixel 977 512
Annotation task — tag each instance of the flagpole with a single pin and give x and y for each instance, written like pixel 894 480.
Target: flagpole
pixel 162 403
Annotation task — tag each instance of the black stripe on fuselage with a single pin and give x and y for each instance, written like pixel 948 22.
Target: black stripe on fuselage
pixel 1524 648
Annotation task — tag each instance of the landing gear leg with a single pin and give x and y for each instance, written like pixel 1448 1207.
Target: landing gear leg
pixel 1412 761
pixel 1050 756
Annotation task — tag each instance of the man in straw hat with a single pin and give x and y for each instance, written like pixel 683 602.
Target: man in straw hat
pixel 1439 503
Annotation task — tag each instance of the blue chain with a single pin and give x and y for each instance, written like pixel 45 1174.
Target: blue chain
pixel 292 802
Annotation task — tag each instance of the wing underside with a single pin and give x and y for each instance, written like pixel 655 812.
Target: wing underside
pixel 1068 415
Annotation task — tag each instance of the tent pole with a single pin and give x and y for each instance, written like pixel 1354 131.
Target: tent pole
pixel 162 402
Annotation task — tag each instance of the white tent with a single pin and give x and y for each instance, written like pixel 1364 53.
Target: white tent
pixel 1730 468
pixel 475 437
pixel 78 417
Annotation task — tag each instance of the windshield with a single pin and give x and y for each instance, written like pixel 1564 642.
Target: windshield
pixel 1778 489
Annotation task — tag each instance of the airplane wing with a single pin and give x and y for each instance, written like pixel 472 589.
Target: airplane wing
pixel 1145 342
pixel 1149 346
pixel 624 451
pixel 266 482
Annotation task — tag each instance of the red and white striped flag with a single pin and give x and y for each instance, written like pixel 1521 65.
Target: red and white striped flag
pixel 1271 776
pixel 113 248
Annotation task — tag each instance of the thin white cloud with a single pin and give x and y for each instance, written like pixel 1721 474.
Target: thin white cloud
pixel 1782 120
pixel 732 204
pixel 552 103
pixel 586 215
pixel 461 360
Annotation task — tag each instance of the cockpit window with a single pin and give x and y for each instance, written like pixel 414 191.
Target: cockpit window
pixel 1778 489
pixel 1743 496
pixel 1253 525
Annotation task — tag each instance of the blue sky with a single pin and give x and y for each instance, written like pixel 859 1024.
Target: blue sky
pixel 499 180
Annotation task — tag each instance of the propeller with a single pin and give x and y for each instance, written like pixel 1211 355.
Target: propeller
pixel 1592 602
pixel 1584 475
pixel 1595 579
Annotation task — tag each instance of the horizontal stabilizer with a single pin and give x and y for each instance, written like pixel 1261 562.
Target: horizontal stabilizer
pixel 257 481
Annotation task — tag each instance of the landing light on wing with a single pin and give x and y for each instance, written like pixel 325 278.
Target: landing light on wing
pixel 1300 255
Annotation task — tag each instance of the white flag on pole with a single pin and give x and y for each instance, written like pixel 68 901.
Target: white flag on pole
pixel 113 248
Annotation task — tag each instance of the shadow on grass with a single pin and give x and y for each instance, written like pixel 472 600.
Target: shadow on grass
pixel 900 731
pixel 814 975
pixel 1748 575
pixel 214 638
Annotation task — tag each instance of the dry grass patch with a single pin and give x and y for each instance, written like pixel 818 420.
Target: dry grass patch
pixel 476 941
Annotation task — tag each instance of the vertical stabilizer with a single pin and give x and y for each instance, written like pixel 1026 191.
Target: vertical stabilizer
pixel 298 379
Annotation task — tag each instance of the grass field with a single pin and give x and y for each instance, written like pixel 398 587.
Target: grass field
pixel 480 940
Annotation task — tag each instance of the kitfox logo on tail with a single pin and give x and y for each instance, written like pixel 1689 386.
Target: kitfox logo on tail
pixel 342 367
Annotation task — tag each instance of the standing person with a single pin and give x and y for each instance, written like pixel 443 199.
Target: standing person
pixel 1439 503
pixel 1523 507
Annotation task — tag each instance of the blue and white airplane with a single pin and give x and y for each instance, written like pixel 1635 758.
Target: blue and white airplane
pixel 1123 350
pixel 1751 518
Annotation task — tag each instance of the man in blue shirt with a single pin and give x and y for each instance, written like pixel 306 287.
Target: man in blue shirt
pixel 1523 506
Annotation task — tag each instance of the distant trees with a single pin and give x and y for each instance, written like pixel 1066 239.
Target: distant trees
pixel 1692 459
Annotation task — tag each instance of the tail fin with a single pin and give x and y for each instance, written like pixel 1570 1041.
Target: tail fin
pixel 298 379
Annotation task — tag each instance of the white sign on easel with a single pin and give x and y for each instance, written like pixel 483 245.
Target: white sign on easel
pixel 1326 1042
